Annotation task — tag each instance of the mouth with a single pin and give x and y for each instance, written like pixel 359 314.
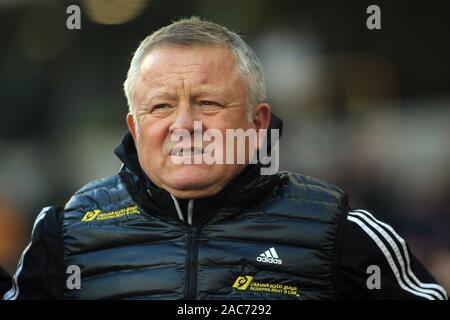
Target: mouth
pixel 185 152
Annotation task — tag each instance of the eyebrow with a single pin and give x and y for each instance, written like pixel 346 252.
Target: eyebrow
pixel 159 94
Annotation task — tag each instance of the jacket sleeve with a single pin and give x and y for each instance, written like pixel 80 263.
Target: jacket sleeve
pixel 40 271
pixel 374 262
pixel 5 281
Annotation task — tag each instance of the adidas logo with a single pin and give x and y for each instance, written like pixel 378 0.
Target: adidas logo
pixel 269 256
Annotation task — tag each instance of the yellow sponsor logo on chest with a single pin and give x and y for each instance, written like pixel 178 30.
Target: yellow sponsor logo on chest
pixel 246 283
pixel 98 215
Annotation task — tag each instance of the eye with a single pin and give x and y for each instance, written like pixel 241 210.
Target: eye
pixel 208 103
pixel 160 106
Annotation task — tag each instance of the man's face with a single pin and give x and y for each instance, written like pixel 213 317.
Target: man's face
pixel 177 86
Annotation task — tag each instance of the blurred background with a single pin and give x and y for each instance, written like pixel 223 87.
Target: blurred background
pixel 368 110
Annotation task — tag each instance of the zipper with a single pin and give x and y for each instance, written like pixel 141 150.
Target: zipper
pixel 192 264
pixel 192 249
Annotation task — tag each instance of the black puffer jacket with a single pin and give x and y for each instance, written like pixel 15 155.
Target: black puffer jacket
pixel 5 281
pixel 285 236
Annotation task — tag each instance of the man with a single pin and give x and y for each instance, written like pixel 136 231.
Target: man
pixel 165 229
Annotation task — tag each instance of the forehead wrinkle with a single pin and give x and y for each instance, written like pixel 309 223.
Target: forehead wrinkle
pixel 160 77
pixel 183 81
pixel 168 67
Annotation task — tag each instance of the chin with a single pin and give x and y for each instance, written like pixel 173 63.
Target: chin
pixel 190 178
pixel 189 185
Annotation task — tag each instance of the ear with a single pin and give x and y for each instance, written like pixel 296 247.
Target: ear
pixel 261 116
pixel 131 126
pixel 261 120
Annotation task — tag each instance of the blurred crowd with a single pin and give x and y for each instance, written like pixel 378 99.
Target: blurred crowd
pixel 368 110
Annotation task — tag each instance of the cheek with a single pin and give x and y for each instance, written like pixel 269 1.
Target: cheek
pixel 240 120
pixel 151 139
pixel 232 119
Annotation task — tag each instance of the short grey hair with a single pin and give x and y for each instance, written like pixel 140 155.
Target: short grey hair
pixel 193 32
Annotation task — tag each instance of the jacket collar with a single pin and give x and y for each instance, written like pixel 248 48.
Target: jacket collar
pixel 249 187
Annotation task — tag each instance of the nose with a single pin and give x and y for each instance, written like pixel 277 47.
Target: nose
pixel 184 118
